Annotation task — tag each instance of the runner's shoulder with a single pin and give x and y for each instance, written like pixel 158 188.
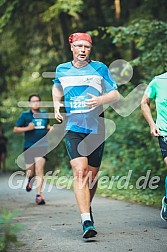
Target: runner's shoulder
pixel 161 76
pixel 65 65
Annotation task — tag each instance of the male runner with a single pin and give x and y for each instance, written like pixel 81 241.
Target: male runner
pixel 34 127
pixel 157 90
pixel 83 83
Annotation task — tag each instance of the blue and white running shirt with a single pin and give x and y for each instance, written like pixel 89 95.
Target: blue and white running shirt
pixel 75 83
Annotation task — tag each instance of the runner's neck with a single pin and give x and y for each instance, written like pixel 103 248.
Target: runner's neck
pixel 78 64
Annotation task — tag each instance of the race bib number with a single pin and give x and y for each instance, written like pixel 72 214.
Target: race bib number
pixel 77 104
pixel 39 123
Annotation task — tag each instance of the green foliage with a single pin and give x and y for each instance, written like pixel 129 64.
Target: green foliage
pixel 150 41
pixel 132 148
pixel 8 12
pixel 145 196
pixel 72 8
pixel 8 230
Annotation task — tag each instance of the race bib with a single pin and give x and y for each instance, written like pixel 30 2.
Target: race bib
pixel 39 123
pixel 77 104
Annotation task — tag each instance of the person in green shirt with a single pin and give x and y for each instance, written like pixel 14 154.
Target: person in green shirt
pixel 157 91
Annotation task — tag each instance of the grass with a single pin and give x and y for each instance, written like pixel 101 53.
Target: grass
pixel 115 190
pixel 8 230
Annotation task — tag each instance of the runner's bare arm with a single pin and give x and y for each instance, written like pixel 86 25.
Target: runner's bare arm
pixel 24 129
pixel 57 96
pixel 110 97
pixel 145 107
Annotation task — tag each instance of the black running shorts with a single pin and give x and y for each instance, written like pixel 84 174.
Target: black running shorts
pixel 163 145
pixel 85 145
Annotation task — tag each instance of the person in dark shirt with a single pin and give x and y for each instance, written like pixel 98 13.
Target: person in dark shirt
pixel 35 125
pixel 3 151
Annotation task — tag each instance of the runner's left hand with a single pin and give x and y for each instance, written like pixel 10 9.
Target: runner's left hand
pixel 94 101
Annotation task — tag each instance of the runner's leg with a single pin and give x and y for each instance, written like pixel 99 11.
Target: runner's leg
pixel 81 188
pixel 39 171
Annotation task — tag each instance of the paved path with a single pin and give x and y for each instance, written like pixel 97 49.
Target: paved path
pixel 55 227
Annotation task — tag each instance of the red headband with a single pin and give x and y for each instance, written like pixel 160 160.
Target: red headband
pixel 79 36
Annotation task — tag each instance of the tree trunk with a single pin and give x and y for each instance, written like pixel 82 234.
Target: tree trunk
pixel 63 35
pixel 117 9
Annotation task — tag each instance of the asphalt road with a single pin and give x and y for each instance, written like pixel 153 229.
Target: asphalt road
pixel 56 227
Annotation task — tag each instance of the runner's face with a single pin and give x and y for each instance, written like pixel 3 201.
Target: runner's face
pixel 35 103
pixel 81 50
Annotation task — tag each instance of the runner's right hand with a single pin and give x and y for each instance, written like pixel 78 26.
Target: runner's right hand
pixel 30 126
pixel 58 116
pixel 154 131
